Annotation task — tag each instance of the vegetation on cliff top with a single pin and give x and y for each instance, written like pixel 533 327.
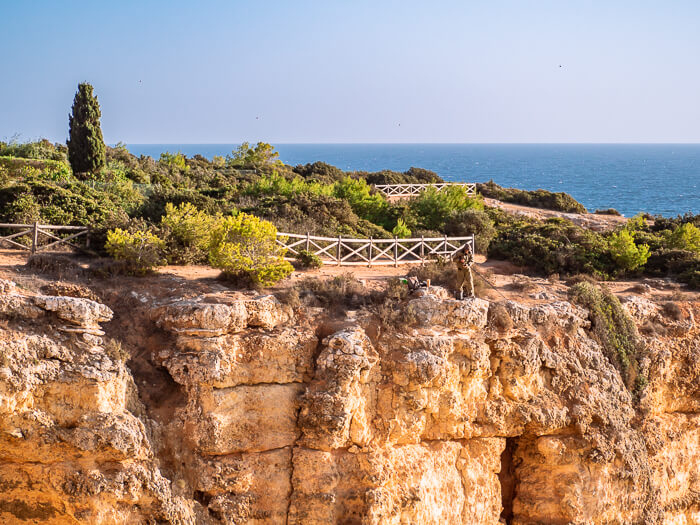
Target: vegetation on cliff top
pixel 140 193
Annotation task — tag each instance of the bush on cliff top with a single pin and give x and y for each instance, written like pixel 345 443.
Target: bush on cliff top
pixel 141 250
pixel 246 246
pixel 537 199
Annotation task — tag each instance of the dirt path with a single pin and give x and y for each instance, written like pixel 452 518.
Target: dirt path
pixel 509 281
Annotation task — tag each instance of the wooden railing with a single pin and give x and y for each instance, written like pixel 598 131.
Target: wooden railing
pixel 37 234
pixel 368 252
pixel 334 250
pixel 411 190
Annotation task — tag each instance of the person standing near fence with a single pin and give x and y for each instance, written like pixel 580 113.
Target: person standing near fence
pixel 464 259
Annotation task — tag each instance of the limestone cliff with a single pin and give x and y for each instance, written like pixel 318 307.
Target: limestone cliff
pixel 254 413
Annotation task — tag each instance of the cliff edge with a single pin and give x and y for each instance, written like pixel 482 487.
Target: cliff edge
pixel 235 408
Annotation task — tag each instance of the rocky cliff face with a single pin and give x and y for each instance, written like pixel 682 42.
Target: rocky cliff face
pixel 254 413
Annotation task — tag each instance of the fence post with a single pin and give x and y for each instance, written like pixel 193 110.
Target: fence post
pixel 445 245
pixel 308 241
pixel 87 238
pixel 35 236
pixel 340 240
pixel 369 264
pixel 396 251
pixel 422 250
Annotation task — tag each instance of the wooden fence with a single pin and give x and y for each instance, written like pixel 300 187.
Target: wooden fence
pixel 37 236
pixel 411 190
pixel 368 252
pixel 331 250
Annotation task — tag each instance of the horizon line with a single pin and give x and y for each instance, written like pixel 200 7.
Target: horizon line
pixel 422 143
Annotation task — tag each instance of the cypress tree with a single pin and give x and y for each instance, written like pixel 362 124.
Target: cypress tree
pixel 86 148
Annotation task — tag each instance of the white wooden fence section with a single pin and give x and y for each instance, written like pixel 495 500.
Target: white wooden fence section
pixel 411 190
pixel 368 252
pixel 33 231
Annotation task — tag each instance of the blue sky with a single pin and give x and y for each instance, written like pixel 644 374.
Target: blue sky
pixel 355 71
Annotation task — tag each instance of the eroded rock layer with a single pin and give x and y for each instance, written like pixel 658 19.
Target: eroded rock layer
pixel 294 418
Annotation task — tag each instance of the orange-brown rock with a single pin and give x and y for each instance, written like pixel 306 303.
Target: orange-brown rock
pixel 278 418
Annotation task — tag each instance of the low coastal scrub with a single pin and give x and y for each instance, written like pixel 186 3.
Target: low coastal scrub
pixel 180 199
pixel 307 259
pixel 537 199
pixel 140 250
pixel 187 232
pixel 608 211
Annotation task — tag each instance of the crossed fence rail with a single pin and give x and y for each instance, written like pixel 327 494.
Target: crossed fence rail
pixel 368 252
pixel 37 234
pixel 334 250
pixel 410 190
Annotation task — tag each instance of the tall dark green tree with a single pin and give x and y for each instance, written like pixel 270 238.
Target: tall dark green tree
pixel 86 148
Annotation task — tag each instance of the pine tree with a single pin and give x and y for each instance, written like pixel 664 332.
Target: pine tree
pixel 86 148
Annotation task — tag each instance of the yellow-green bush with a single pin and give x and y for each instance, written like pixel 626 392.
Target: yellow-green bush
pixel 187 231
pixel 401 230
pixel 628 255
pixel 433 208
pixel 245 246
pixel 141 250
pixel 685 237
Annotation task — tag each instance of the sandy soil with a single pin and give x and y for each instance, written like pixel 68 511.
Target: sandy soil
pixel 502 280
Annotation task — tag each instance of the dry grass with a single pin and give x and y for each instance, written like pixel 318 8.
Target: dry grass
pixel 499 318
pixel 581 278
pixel 57 266
pixel 116 351
pixel 523 284
pixel 639 288
pixel 653 329
pixel 672 311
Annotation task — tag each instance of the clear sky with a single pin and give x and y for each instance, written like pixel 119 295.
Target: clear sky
pixel 225 71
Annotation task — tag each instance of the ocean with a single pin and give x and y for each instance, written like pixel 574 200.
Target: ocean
pixel 661 179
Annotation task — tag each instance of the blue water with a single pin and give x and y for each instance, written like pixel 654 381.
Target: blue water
pixel 656 178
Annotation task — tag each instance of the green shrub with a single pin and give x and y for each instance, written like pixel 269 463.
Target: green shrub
pixel 472 222
pixel 401 230
pixel 433 208
pixel 316 214
pixel 73 203
pixel 685 237
pixel 613 327
pixel 367 205
pixel 187 232
pixel 276 184
pixel 40 149
pixel 173 162
pixel 141 250
pixel 410 176
pixel 608 211
pixel 537 199
pixel 551 246
pixel 320 171
pixel 307 259
pixel 636 224
pixel 626 254
pixel 245 245
pixel 256 157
